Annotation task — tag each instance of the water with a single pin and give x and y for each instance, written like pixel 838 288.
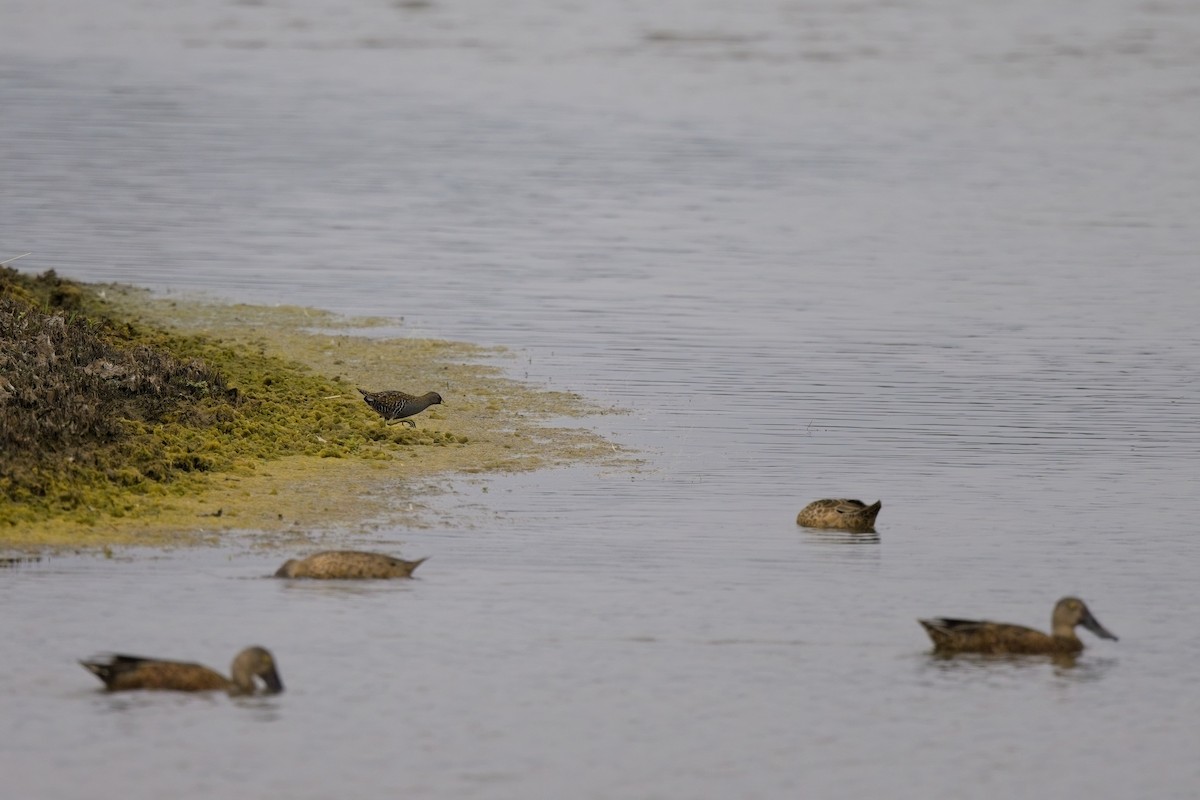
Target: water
pixel 936 254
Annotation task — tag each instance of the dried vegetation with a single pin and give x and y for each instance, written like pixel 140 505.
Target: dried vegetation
pixel 77 395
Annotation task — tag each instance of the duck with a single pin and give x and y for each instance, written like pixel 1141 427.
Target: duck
pixel 123 673
pixel 998 638
pixel 347 565
pixel 840 513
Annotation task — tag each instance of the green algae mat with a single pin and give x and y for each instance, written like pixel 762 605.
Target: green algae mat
pixel 129 419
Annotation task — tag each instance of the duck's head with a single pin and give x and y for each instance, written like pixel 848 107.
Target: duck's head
pixel 256 662
pixel 1071 611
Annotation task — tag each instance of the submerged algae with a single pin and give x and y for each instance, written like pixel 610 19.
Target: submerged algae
pixel 267 396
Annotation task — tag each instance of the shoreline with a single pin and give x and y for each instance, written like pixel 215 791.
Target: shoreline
pixel 298 452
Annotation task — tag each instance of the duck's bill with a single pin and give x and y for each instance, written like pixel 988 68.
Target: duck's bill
pixel 271 679
pixel 1095 627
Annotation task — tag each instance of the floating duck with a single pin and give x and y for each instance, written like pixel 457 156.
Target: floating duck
pixel 842 514
pixel 972 636
pixel 348 565
pixel 122 673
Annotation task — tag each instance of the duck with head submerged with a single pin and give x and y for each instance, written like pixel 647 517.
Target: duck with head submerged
pixel 840 514
pixel 348 565
pixel 1001 638
pixel 123 673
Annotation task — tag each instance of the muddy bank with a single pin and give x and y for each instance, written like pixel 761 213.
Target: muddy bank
pixel 132 419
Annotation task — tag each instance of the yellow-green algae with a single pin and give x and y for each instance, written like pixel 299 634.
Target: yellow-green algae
pixel 265 430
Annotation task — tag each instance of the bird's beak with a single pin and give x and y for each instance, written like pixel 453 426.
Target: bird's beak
pixel 1095 627
pixel 271 679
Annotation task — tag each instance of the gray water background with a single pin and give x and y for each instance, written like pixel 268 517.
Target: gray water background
pixel 936 253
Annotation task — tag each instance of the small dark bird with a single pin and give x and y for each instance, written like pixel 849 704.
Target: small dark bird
pixel 841 514
pixel 347 565
pixel 998 638
pixel 121 673
pixel 398 405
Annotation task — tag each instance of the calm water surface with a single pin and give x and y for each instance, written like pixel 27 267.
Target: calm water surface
pixel 937 254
